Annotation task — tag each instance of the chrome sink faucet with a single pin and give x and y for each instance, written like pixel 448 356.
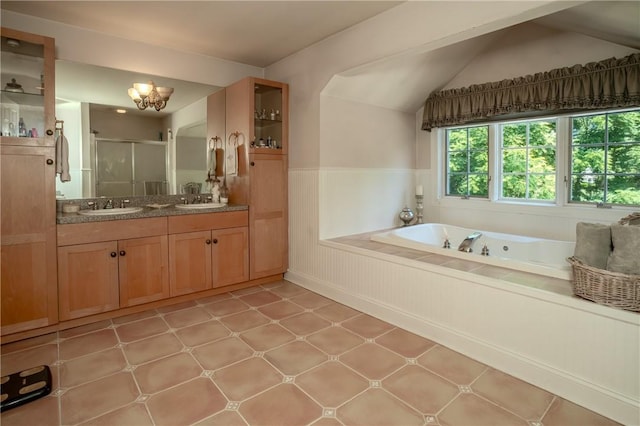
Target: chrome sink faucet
pixel 109 204
pixel 467 244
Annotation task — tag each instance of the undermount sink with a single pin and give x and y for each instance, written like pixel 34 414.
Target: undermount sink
pixel 110 212
pixel 200 206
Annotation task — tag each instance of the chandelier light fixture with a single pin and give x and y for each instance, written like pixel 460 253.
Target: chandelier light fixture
pixel 147 95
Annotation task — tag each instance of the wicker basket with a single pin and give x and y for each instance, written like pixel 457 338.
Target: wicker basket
pixel 606 287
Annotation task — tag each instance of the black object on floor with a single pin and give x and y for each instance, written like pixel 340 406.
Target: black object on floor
pixel 24 386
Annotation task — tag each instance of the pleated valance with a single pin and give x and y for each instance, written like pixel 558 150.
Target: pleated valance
pixel 612 83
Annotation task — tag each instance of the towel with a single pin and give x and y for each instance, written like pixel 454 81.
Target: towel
pixel 62 158
pixel 593 244
pixel 626 246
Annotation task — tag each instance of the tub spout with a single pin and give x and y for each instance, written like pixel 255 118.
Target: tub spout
pixel 467 244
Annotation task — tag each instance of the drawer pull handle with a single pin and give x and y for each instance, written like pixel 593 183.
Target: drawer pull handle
pixel 215 241
pixel 114 254
pixel 208 241
pixel 122 252
pixel 49 161
pixel 49 132
pixel 253 163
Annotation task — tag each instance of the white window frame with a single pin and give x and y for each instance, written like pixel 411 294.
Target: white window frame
pixel 563 163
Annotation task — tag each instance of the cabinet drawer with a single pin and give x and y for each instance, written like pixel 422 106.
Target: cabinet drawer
pixel 95 232
pixel 207 221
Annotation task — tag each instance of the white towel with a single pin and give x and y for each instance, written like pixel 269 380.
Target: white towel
pixel 62 158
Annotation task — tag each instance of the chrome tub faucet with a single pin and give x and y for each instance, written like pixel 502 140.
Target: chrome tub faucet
pixel 467 244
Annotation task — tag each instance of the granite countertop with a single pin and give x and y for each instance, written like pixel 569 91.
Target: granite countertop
pixel 69 218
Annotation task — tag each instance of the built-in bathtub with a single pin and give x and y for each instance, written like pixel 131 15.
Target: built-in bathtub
pixel 535 255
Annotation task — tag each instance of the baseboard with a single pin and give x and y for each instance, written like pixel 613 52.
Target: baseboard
pixel 586 394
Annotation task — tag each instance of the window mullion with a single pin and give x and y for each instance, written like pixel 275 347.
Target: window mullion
pixel 495 162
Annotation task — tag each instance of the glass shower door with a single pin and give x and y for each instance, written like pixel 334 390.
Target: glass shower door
pixel 114 171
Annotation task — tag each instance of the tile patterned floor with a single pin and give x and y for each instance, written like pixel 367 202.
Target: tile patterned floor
pixel 270 355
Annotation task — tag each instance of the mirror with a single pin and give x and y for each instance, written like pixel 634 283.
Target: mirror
pixel 132 153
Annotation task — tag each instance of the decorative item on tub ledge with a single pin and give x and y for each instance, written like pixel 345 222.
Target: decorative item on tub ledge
pixel 406 216
pixel 148 95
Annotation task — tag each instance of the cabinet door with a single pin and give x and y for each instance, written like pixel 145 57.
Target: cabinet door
pixel 230 256
pixel 189 262
pixel 88 279
pixel 28 244
pixel 143 270
pixel 268 215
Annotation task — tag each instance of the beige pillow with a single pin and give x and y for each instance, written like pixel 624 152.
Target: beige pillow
pixel 593 244
pixel 625 257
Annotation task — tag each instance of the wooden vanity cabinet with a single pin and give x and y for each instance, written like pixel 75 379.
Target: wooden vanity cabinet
pixel 109 265
pixel 207 251
pixel 27 184
pixel 262 184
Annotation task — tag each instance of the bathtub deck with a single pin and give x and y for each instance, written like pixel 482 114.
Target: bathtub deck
pixel 555 285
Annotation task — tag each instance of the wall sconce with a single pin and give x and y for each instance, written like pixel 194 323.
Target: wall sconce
pixel 148 95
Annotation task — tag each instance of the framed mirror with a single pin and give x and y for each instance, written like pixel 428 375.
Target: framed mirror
pixel 116 149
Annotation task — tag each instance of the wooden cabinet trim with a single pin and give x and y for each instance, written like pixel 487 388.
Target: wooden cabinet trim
pixel 94 232
pixel 208 221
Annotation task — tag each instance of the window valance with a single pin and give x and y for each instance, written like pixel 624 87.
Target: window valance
pixel 612 83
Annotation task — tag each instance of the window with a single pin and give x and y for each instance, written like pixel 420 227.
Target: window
pixel 528 157
pixel 605 158
pixel 468 162
pixel 603 166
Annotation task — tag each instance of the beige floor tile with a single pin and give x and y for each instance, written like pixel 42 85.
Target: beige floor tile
pixel 404 343
pixel 33 342
pixel 77 331
pixel 565 413
pixel 91 367
pixel 334 340
pixel 166 372
pixel 332 384
pixel 367 326
pixel 142 329
pixel 135 317
pixel 310 300
pixel 267 337
pixel 222 353
pixel 336 312
pixel 224 418
pixel 212 299
pixel 41 412
pixel 96 398
pixel 202 333
pixel 152 348
pixel 280 310
pixel 305 323
pixel 260 298
pixel 186 403
pixel 187 317
pixel 176 307
pixel 274 354
pixel 372 361
pixel 377 407
pixel 469 409
pixel 295 357
pixel 87 343
pixel 283 405
pixel 134 414
pixel 21 360
pixel 247 378
pixel 226 307
pixel 521 398
pixel 421 389
pixel 244 320
pixel 288 290
pixel 458 368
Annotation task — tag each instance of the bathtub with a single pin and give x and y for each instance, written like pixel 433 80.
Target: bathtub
pixel 535 255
